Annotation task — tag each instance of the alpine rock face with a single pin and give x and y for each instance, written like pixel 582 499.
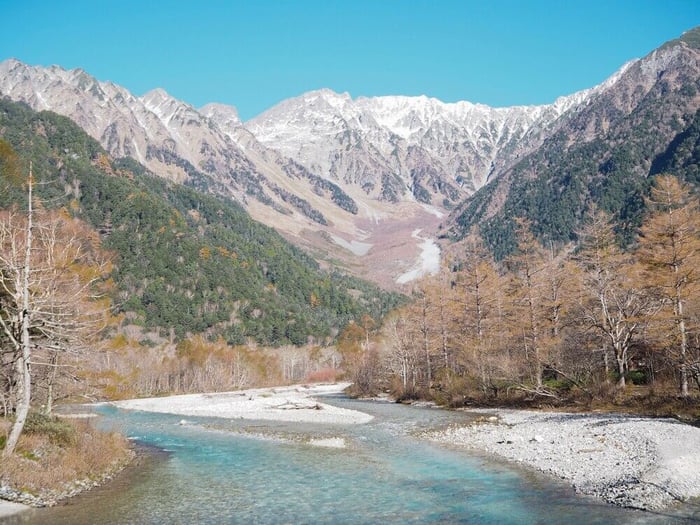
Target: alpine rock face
pixel 210 149
pixel 366 182
pixel 168 136
pixel 402 148
pixel 603 152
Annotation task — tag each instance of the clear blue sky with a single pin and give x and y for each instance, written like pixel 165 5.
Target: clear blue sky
pixel 253 54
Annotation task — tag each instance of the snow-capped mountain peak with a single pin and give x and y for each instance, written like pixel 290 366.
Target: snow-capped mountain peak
pixel 392 141
pixel 326 161
pixel 222 113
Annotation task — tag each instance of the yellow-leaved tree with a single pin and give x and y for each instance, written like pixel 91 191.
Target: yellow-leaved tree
pixel 478 287
pixel 613 305
pixel 669 249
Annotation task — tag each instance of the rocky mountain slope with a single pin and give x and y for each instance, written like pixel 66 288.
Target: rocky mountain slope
pixel 398 148
pixel 210 150
pixel 602 152
pixel 365 183
pixel 184 262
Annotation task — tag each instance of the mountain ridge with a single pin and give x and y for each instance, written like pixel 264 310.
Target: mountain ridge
pixel 431 112
pixel 330 171
pixel 177 142
pixel 184 262
pixel 602 154
pixel 209 148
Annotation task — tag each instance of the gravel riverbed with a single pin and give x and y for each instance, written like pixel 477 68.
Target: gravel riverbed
pixel 629 461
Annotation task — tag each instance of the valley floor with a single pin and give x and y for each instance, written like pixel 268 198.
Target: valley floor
pixel 625 460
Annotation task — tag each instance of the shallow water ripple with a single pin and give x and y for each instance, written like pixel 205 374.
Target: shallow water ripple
pixel 219 472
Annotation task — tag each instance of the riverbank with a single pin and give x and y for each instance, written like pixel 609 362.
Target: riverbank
pixel 628 461
pixel 57 459
pixel 289 403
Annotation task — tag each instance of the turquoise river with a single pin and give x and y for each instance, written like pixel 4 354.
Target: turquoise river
pixel 215 471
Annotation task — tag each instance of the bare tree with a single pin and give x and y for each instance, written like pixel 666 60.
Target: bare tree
pixel 614 306
pixel 49 267
pixel 400 357
pixel 14 276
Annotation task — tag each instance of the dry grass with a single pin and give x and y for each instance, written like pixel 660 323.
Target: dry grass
pixel 46 468
pixel 660 400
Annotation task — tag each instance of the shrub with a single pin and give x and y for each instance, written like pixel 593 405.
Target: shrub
pixel 560 385
pixel 58 432
pixel 323 375
pixel 638 377
pixel 452 390
pixel 401 394
pixel 45 469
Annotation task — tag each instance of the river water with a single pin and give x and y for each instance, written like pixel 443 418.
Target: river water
pixel 213 471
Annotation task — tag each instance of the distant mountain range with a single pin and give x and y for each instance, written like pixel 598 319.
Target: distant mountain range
pixel 404 148
pixel 352 180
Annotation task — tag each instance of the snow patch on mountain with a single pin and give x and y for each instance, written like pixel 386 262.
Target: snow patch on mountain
pixel 428 262
pixel 433 210
pixel 356 247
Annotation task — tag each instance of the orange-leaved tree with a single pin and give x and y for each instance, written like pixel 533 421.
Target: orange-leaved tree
pixel 528 296
pixel 478 287
pixel 669 249
pixel 613 303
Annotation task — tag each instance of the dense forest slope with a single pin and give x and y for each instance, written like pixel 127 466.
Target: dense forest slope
pixel 602 153
pixel 185 262
pixel 682 157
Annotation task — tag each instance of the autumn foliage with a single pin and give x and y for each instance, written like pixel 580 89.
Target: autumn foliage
pixel 550 322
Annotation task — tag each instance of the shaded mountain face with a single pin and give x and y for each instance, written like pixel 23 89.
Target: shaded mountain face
pixel 601 152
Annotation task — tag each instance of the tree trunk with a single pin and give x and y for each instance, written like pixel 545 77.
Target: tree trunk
pixel 22 403
pixel 606 364
pixel 23 365
pixel 620 357
pixel 50 383
pixel 683 334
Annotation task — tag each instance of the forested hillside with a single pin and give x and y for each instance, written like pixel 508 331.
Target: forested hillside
pixel 184 262
pixel 602 154
pixel 682 156
pixel 571 326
